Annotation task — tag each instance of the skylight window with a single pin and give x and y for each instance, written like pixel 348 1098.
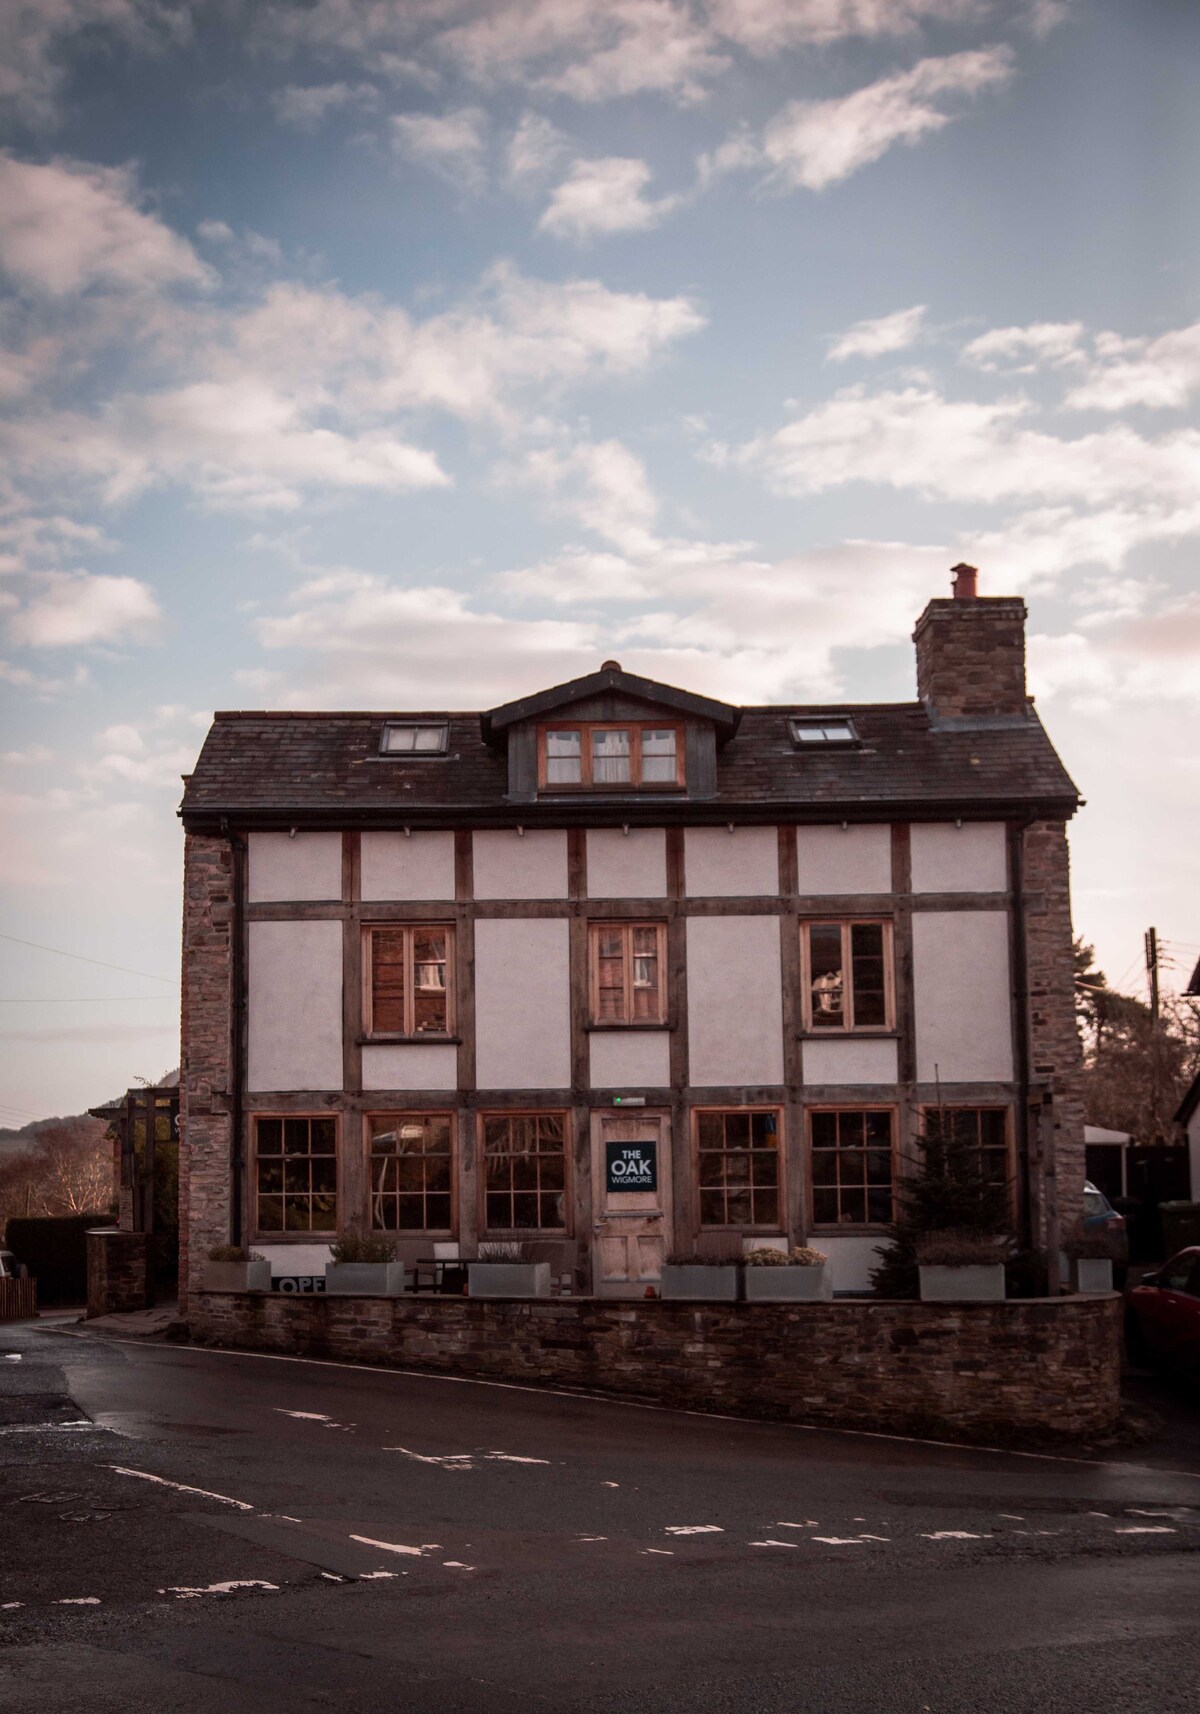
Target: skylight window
pixel 414 738
pixel 810 734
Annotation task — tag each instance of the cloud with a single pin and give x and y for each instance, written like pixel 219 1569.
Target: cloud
pixel 604 196
pixel 884 334
pixel 601 484
pixel 35 33
pixel 813 144
pixel 1160 374
pixel 1022 350
pixel 70 225
pixel 452 144
pixel 765 27
pixel 535 150
pixel 306 106
pixel 71 609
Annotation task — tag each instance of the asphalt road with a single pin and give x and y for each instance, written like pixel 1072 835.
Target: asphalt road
pixel 185 1530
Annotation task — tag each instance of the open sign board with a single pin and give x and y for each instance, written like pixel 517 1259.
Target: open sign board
pixel 630 1167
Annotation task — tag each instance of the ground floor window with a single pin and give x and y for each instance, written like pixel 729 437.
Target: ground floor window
pixel 525 1169
pixel 412 1169
pixel 851 1166
pixel 738 1167
pixel 983 1132
pixel 295 1164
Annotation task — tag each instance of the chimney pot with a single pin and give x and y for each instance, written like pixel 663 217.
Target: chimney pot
pixel 964 581
pixel 610 666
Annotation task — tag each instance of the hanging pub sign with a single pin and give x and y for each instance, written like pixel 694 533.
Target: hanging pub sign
pixel 631 1166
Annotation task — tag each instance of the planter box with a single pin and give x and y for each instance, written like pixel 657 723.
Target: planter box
pixel 714 1283
pixel 789 1285
pixel 981 1283
pixel 364 1279
pixel 1092 1273
pixel 237 1276
pixel 508 1279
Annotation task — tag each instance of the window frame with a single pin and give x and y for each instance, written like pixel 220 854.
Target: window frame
pixel 634 783
pixel 414 755
pixel 409 929
pixel 533 1233
pixel 770 1228
pixel 798 723
pixel 829 1228
pixel 399 1115
pixel 626 928
pixel 848 1027
pixel 308 1234
pixel 1010 1135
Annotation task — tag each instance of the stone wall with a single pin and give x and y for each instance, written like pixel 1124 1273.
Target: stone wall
pixel 117 1278
pixel 1034 1368
pixel 1055 1068
pixel 205 1075
pixel 971 656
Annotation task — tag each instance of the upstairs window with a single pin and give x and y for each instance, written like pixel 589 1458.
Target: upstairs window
pixel 408 979
pixel 812 734
pixel 628 969
pixel 847 975
pixel 601 757
pixel 414 738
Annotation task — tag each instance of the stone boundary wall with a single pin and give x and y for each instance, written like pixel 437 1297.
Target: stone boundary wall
pixel 117 1277
pixel 1030 1367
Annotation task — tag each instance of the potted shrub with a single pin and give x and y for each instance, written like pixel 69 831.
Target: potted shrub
pixel 695 1277
pixel 232 1267
pixel 779 1276
pixel 363 1264
pixel 1091 1256
pixel 961 1267
pixel 506 1270
pixel 947 1199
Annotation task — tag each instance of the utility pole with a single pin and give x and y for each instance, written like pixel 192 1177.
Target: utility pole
pixel 1152 978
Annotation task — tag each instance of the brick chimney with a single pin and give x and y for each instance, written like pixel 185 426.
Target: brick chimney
pixel 971 651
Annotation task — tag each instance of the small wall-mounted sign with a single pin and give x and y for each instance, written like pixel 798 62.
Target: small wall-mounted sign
pixel 298 1282
pixel 631 1166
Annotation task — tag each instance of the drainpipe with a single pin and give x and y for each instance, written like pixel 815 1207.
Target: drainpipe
pixel 237 1072
pixel 1016 848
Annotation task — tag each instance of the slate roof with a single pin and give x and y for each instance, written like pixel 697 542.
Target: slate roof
pixel 272 768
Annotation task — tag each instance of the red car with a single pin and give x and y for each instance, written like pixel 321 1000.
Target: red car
pixel 1162 1316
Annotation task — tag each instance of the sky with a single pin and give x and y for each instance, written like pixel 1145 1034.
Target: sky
pixel 423 353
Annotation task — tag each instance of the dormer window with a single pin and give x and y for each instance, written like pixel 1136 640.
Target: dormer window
pixel 414 738
pixel 814 733
pixel 604 756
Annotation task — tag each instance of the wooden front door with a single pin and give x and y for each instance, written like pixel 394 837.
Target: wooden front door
pixel 631 1176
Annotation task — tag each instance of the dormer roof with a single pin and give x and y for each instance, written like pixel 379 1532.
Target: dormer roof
pixel 610 680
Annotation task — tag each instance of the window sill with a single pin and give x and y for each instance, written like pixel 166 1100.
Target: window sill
pixel 615 788
pixel 329 1236
pixel 868 1032
pixel 430 1040
pixel 621 1029
pixel 848 1231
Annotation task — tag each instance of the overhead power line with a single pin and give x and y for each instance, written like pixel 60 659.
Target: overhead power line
pixel 150 975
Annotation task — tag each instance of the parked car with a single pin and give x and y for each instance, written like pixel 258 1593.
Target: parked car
pixel 10 1268
pixel 1099 1215
pixel 1162 1316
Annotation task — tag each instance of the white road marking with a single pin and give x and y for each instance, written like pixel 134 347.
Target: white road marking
pixel 638 1404
pixel 186 1594
pixel 77 1601
pixel 389 1546
pixel 1144 1529
pixel 512 1458
pixel 12 1356
pixel 793 1544
pixel 445 1461
pixel 694 1529
pixel 182 1487
pixel 45 1427
pixel 839 1540
pixel 1185 1514
pixel 457 1565
pixel 10 1606
pixel 304 1415
pixel 377 1576
pixel 591 1538
pixel 666 1552
pixel 332 1577
pixel 808 1524
pixel 954 1535
pixel 1015 1517
pixel 610 1484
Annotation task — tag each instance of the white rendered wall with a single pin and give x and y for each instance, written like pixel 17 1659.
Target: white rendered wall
pixel 294 972
pixel 630 1059
pixel 286 869
pixel 844 859
pixel 967 859
pixel 511 865
pixel 522 1003
pixel 402 866
pixel 404 1065
pixel 850 1060
pixel 629 865
pixel 735 1000
pixel 719 863
pixel 850 1259
pixel 961 995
